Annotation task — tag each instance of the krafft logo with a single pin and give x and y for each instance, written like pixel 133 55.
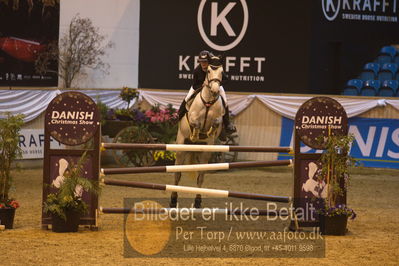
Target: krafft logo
pixel 360 10
pixel 223 25
pixel 217 27
pixel 331 8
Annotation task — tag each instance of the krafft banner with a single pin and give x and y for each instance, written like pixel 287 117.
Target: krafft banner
pixel 355 22
pixel 376 141
pixel 255 37
pixel 384 11
pixel 31 142
pixel 26 28
pixel 345 35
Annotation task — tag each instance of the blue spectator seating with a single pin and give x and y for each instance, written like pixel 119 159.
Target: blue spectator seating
pixel 396 59
pixel 389 88
pixel 353 87
pixel 387 71
pixel 370 88
pixel 386 54
pixel 370 71
pixel 377 78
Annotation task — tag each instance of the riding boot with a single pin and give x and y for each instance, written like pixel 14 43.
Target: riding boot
pixel 182 110
pixel 228 127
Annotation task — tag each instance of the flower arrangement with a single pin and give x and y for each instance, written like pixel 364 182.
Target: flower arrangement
pixel 139 117
pixel 164 157
pixel 336 163
pixel 9 203
pixel 128 94
pixel 135 115
pixel 123 114
pixel 110 115
pixel 158 115
pixel 162 123
pixel 340 209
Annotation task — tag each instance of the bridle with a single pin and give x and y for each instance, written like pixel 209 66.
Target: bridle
pixel 208 86
pixel 209 81
pixel 208 104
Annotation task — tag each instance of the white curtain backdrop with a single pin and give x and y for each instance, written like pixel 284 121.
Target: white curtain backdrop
pixel 283 105
pixel 32 103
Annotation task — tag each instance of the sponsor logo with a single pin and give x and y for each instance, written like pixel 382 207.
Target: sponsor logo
pixel 222 26
pixel 247 69
pixel 320 116
pixel 31 142
pixel 213 36
pixel 330 120
pixel 376 141
pixel 331 8
pixel 72 118
pixel 362 10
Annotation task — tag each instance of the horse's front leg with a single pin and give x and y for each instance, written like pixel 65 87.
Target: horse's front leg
pixel 195 124
pixel 173 196
pixel 194 136
pixel 214 127
pixel 204 158
pixel 179 160
pixel 198 199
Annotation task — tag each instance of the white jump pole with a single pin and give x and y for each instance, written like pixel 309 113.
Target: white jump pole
pixel 192 147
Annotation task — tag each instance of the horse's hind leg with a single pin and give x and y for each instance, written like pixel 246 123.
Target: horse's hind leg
pixel 173 197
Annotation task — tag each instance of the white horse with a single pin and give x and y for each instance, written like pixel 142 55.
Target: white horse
pixel 201 125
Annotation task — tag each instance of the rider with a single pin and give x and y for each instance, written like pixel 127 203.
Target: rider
pixel 198 79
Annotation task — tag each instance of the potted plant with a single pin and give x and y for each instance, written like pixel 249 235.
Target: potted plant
pixel 334 174
pixel 10 126
pixel 66 205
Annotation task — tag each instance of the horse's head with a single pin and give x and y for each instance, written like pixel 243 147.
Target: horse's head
pixel 214 75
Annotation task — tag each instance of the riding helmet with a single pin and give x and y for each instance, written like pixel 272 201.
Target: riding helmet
pixel 203 56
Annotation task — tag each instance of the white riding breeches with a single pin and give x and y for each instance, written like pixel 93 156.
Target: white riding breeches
pixel 189 94
pixel 221 90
